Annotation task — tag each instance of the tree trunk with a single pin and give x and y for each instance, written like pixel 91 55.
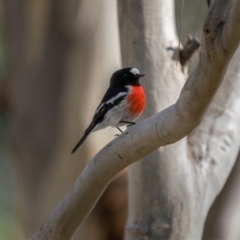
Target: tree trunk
pixel 223 218
pixel 147 216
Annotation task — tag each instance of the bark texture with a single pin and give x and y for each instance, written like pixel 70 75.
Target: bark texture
pixel 150 180
pixel 219 43
pixel 171 190
pixel 223 218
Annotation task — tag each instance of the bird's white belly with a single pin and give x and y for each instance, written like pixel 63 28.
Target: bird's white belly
pixel 115 115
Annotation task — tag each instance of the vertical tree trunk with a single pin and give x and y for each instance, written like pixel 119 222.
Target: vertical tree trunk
pixel 223 218
pixel 146 34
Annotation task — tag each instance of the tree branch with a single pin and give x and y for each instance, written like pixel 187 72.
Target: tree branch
pixel 164 128
pixel 190 47
pixel 208 3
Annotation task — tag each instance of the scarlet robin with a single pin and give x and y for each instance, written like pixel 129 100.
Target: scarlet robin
pixel 122 104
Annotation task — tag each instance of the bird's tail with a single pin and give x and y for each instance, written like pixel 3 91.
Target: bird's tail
pixel 86 133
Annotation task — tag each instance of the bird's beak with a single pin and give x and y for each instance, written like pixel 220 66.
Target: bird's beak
pixel 140 75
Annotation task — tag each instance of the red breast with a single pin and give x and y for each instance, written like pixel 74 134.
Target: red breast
pixel 136 100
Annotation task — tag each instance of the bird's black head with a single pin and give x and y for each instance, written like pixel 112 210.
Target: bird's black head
pixel 126 76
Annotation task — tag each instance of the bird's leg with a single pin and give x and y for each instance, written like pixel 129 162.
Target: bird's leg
pixel 116 135
pixel 119 129
pixel 129 124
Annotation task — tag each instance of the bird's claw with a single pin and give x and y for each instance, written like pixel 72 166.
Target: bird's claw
pixel 116 135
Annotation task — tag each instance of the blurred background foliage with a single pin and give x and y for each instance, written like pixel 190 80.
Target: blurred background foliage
pixel 56 58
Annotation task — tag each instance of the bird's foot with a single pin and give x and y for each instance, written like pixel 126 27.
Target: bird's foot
pixel 120 130
pixel 117 135
pixel 128 123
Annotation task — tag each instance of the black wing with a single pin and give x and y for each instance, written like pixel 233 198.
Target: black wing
pixel 86 133
pixel 111 98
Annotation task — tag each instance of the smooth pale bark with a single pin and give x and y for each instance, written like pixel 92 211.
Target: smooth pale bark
pixel 164 128
pixel 151 179
pixel 171 190
pixel 224 216
pixel 168 197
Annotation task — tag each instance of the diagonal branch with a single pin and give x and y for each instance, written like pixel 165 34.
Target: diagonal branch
pixel 164 128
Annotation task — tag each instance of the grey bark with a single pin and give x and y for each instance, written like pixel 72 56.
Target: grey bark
pixel 224 216
pixel 171 190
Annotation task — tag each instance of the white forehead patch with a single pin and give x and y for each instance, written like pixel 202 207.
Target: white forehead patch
pixel 135 71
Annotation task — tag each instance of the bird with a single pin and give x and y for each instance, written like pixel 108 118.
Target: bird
pixel 123 102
